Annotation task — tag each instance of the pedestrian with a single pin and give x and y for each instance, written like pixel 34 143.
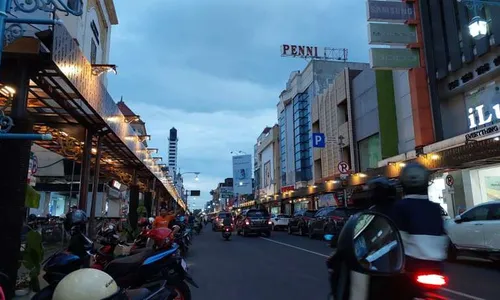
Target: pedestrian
pixel 164 219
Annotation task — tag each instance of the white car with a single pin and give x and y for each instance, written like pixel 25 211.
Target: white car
pixel 476 232
pixel 279 221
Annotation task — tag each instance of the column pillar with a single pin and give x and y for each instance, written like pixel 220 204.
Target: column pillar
pixel 95 187
pixel 148 202
pixel 85 171
pixel 133 202
pixel 14 161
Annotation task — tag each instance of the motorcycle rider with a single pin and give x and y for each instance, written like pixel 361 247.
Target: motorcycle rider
pixel 419 222
pixel 383 195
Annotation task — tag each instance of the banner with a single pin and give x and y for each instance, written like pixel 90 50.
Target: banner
pixel 242 174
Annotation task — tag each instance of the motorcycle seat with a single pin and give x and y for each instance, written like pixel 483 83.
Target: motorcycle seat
pixel 124 265
pixel 138 250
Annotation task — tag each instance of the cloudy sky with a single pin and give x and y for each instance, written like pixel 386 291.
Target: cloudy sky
pixel 212 69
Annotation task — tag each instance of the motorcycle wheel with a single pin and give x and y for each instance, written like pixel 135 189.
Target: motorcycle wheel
pixel 182 289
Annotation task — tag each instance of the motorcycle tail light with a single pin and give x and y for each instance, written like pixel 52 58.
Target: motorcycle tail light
pixel 432 280
pixel 247 222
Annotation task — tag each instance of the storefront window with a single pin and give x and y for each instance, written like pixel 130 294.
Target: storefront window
pixel 484 185
pixel 301 205
pixel 369 152
pixel 57 204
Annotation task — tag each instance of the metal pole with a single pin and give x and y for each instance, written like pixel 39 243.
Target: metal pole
pixel 3 16
pixel 85 171
pixel 95 187
pixel 71 184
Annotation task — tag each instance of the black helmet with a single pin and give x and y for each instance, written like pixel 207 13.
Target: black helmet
pixel 76 217
pixel 381 190
pixel 414 178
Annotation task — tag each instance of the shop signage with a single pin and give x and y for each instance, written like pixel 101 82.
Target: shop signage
pixel 115 184
pixel 483 117
pixel 318 140
pixel 302 51
pixel 394 58
pixel 386 11
pixel 289 188
pixel 482 132
pixel 383 34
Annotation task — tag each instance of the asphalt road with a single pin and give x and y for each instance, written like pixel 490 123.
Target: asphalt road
pixel 293 267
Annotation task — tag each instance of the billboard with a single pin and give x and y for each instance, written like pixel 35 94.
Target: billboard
pixel 242 174
pixel 390 34
pixel 394 58
pixel 226 192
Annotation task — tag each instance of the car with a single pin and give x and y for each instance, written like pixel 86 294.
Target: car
pixel 217 222
pixel 475 232
pixel 330 220
pixel 256 221
pixel 279 221
pixel 298 223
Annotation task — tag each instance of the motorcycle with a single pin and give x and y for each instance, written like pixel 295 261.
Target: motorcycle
pixel 226 232
pixel 370 254
pixel 132 271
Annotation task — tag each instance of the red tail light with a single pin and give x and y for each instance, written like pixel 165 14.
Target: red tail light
pixel 432 280
pixel 217 219
pixel 227 229
pixel 247 221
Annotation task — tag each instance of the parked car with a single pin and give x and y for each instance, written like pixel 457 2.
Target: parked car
pixel 217 222
pixel 298 223
pixel 279 221
pixel 476 232
pixel 254 221
pixel 330 220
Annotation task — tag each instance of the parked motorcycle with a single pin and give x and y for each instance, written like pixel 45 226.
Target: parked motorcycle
pixel 226 232
pixel 132 271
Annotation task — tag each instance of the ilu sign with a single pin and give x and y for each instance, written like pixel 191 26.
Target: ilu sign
pixel 478 117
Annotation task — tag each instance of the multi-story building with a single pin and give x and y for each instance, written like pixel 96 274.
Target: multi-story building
pixel 267 154
pixel 464 85
pixel 58 185
pixel 173 141
pixel 295 124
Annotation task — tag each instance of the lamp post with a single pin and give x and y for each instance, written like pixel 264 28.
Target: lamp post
pixel 196 178
pixel 478 26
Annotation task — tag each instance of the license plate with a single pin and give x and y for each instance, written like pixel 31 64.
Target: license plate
pixel 184 265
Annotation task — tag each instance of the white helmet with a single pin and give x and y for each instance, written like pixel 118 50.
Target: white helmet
pixel 86 284
pixel 151 220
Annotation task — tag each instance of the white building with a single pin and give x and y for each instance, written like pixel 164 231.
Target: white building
pixel 92 32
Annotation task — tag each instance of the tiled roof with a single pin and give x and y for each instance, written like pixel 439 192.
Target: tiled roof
pixel 126 111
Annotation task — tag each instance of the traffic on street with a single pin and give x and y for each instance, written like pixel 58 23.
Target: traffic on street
pixel 294 267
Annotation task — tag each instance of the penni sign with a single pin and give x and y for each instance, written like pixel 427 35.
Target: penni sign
pixel 302 51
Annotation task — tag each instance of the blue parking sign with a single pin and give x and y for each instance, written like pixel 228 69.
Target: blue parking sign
pixel 318 140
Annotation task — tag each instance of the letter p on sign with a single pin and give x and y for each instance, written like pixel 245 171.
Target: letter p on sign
pixel 318 140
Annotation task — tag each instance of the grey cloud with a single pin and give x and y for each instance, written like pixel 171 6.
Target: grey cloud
pixel 228 41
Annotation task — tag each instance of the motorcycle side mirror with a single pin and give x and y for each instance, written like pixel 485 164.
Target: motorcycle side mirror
pixel 372 244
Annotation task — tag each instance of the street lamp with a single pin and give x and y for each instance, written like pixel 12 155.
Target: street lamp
pixel 478 26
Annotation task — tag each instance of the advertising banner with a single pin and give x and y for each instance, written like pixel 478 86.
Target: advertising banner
pixel 390 34
pixel 394 58
pixel 225 192
pixel 242 174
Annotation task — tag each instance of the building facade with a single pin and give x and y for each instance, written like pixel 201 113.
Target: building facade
pixel 294 118
pixel 173 141
pixel 267 155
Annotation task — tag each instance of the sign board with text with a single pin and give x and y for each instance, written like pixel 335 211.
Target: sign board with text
pixel 343 167
pixel 390 11
pixel 302 51
pixel 385 34
pixel 394 58
pixel 318 140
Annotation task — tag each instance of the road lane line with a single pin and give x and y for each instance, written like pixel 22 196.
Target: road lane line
pixel 323 255
pixel 462 294
pixel 295 247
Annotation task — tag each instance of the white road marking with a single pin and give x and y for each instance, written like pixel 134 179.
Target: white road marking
pixel 295 247
pixel 323 255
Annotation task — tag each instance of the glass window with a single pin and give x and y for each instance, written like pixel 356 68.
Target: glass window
pixel 369 152
pixel 494 212
pixel 93 52
pixel 476 214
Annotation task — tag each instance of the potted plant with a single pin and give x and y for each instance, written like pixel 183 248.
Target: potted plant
pixel 32 258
